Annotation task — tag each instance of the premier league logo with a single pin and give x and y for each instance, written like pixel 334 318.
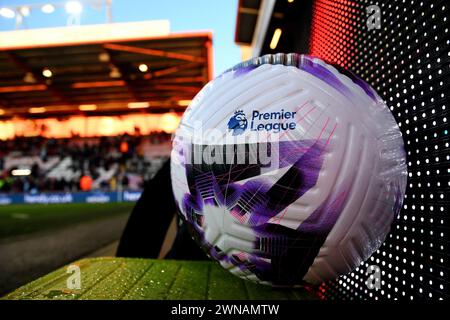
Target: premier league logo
pixel 238 123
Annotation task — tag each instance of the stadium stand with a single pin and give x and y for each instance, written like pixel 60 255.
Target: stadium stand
pixel 37 164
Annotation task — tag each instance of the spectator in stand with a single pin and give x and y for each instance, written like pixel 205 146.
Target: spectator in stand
pixel 125 182
pixel 74 185
pixel 126 155
pixel 85 182
pixel 5 183
pixel 124 147
pixel 113 183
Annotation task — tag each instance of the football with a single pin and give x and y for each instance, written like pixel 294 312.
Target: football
pixel 288 170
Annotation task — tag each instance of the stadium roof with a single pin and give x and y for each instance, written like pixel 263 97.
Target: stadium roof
pixel 101 69
pixel 272 26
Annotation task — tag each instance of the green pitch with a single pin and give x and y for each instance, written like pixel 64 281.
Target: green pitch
pixel 24 219
pixel 125 279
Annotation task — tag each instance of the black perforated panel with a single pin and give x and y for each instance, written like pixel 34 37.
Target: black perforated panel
pixel 407 62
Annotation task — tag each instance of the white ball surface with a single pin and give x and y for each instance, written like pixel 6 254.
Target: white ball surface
pixel 325 197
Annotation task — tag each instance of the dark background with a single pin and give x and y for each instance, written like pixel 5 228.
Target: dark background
pixel 407 62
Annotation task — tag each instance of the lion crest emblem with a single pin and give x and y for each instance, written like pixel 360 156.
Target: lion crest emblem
pixel 238 123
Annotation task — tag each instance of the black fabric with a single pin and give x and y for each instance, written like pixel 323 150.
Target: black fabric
pixel 149 221
pixel 150 218
pixel 184 247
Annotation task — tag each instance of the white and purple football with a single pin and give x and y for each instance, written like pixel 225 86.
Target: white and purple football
pixel 288 171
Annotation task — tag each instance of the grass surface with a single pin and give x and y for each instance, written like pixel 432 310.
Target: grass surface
pixel 125 279
pixel 25 219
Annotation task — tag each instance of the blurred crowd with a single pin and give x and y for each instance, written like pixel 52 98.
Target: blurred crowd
pixel 37 164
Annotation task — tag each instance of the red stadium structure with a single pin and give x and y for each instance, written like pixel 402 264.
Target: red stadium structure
pixel 96 89
pixel 115 69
